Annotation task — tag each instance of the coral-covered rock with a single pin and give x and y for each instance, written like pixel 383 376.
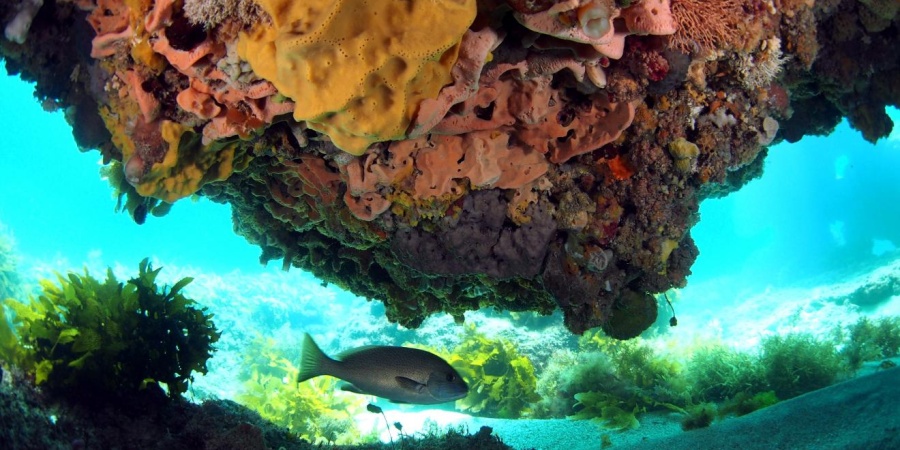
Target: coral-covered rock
pixel 479 241
pixel 520 154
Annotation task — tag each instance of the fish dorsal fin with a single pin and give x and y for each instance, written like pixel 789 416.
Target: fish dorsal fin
pixel 410 384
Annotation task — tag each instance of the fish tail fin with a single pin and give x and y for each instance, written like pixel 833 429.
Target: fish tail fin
pixel 313 362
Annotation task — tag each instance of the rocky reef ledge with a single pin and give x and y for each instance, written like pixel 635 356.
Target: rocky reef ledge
pixel 458 154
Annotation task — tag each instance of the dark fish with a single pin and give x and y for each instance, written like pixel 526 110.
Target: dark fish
pixel 399 374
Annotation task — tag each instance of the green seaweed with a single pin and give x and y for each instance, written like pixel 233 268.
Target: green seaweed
pixel 567 374
pixel 501 381
pixel 93 340
pixel 310 410
pixel 745 403
pixel 870 340
pixel 616 381
pixel 699 416
pixel 799 363
pixel 614 413
pixel 641 381
pixel 717 373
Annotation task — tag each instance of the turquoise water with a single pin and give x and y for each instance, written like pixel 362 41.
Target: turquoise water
pixel 57 207
pixel 824 206
pixel 823 212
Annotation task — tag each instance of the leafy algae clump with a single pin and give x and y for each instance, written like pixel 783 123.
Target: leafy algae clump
pixel 501 381
pixel 639 380
pixel 798 363
pixel 870 340
pixel 310 410
pixel 718 373
pixel 87 339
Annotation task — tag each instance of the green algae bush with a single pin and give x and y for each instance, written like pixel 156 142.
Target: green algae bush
pixel 744 403
pixel 568 374
pixel 615 381
pixel 870 340
pixel 311 410
pixel 86 339
pixel 717 373
pixel 642 380
pixel 799 363
pixel 502 382
pixel 699 416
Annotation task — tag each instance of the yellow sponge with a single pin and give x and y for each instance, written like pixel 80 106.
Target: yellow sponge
pixel 358 69
pixel 187 165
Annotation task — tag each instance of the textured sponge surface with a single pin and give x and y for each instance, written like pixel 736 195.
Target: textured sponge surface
pixel 358 69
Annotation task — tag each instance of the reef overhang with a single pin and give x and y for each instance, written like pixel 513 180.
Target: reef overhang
pixel 453 155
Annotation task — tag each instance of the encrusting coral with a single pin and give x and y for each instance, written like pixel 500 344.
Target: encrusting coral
pixel 460 154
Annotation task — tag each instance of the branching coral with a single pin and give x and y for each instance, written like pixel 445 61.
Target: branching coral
pixel 760 69
pixel 705 25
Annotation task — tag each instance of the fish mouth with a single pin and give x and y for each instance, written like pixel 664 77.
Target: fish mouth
pixel 450 398
pixel 458 396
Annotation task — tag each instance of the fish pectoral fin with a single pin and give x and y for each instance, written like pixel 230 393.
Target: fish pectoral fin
pixel 410 384
pixel 347 387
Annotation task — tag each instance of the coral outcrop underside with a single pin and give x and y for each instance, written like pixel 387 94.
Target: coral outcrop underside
pixel 458 154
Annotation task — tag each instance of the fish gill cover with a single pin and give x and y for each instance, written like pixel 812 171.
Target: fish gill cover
pixel 521 155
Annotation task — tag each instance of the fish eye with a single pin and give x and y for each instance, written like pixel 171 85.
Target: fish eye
pixel 451 377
